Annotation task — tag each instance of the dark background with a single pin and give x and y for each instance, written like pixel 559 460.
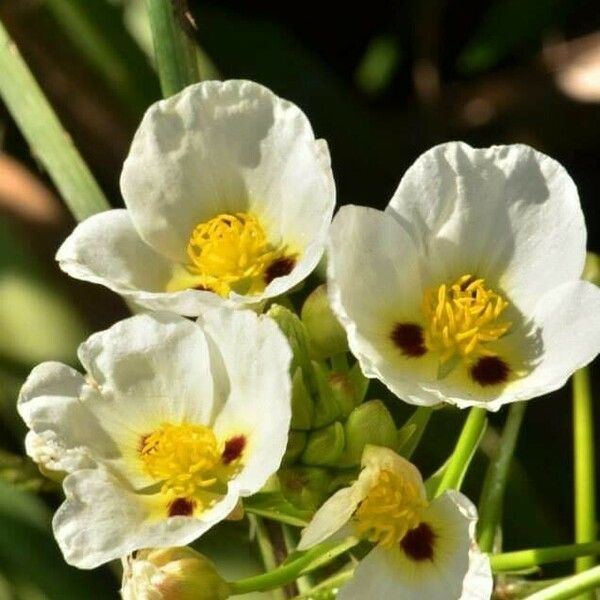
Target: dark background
pixel 382 82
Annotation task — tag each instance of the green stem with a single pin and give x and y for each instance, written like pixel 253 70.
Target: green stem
pixel 339 363
pixel 492 494
pixel 571 586
pixel 310 560
pixel 267 551
pixel 585 470
pixel 49 142
pixel 96 30
pixel 416 425
pixel 175 52
pixel 525 559
pixel 467 443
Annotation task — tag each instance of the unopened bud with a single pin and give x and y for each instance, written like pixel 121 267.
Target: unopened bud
pixel 591 271
pixel 305 487
pixel 369 423
pixel 294 330
pixel 295 447
pixel 172 574
pixel 302 404
pixel 327 337
pixel 324 446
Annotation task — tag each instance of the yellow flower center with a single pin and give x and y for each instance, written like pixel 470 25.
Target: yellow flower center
pixel 184 458
pixel 462 317
pixel 232 252
pixel 392 507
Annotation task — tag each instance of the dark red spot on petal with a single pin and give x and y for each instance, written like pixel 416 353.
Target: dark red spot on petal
pixel 181 507
pixel 142 443
pixel 202 288
pixel 279 268
pixel 410 339
pixel 490 370
pixel 418 543
pixel 233 449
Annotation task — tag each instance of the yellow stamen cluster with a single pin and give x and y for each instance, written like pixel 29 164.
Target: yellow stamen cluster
pixel 462 317
pixel 392 507
pixel 231 252
pixel 184 458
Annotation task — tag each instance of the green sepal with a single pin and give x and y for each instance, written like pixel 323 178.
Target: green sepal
pixel 325 446
pixel 369 423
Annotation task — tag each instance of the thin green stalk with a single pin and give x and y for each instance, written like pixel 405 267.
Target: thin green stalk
pixel 525 559
pixel 96 29
pixel 492 494
pixel 585 470
pixel 467 444
pixel 415 428
pixel 311 559
pixel 303 582
pixel 571 586
pixel 48 140
pixel 175 52
pixel 267 552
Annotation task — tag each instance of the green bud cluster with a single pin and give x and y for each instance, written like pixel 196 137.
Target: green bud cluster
pixel 331 420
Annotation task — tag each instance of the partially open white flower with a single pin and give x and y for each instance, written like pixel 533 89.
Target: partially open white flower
pixel 173 423
pixel 422 550
pixel 467 288
pixel 229 197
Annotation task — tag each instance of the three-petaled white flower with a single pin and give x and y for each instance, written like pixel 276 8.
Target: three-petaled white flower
pixel 423 550
pixel 229 197
pixel 467 288
pixel 173 423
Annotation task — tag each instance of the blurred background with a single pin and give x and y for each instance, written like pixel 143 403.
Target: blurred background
pixel 382 82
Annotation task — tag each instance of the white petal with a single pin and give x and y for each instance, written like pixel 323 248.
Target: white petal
pixel 333 515
pixel 375 280
pixel 224 147
pixel 568 319
pixel 64 435
pixel 150 368
pixel 252 391
pixel 456 572
pixel 102 520
pixel 507 213
pixel 106 249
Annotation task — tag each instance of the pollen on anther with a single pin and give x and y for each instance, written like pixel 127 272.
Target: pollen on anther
pixel 279 268
pixel 233 449
pixel 410 339
pixel 181 507
pixel 490 370
pixel 418 543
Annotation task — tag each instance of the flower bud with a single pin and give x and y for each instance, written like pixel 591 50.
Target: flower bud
pixel 172 574
pixel 294 330
pixel 302 404
pixel 327 337
pixel 295 447
pixel 305 487
pixel 369 423
pixel 324 446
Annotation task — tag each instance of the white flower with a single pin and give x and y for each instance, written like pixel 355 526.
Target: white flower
pixel 229 197
pixel 467 288
pixel 173 423
pixel 423 550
